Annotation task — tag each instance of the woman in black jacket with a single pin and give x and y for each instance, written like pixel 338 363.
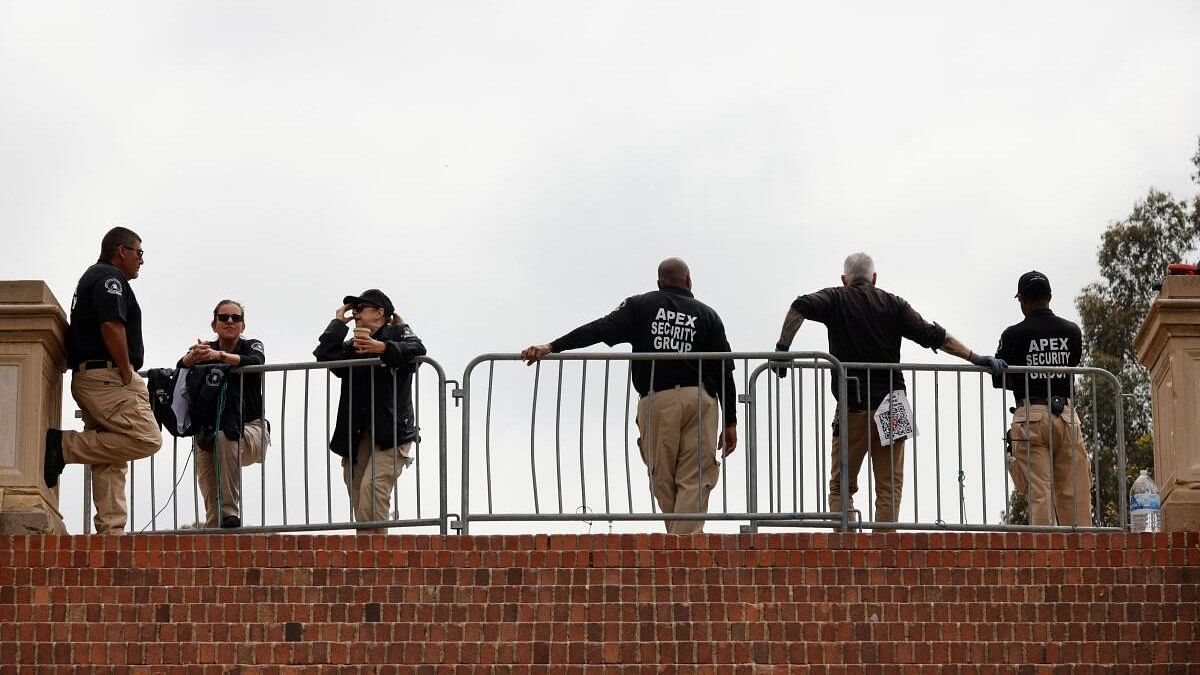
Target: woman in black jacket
pixel 245 435
pixel 375 428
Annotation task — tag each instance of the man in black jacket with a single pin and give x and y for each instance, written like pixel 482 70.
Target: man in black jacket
pixel 677 418
pixel 375 428
pixel 1049 462
pixel 865 325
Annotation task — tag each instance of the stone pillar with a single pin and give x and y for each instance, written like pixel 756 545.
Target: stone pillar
pixel 1169 345
pixel 33 330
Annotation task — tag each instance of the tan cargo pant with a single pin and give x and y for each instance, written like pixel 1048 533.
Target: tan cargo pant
pixel 887 465
pixel 375 473
pixel 679 444
pixel 1059 488
pixel 249 449
pixel 118 426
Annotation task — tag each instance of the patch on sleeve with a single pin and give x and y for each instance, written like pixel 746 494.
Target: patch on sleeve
pixel 112 286
pixel 258 347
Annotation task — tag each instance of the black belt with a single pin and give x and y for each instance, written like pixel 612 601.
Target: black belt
pixel 91 365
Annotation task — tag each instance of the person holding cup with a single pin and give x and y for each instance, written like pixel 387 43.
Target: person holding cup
pixel 375 426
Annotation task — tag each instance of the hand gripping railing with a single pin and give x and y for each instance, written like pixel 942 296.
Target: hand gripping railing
pixel 540 483
pixel 310 470
pixel 945 486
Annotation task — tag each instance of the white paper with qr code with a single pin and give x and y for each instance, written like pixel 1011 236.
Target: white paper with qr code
pixel 894 418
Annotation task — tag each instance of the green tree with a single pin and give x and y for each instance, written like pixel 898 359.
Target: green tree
pixel 1133 258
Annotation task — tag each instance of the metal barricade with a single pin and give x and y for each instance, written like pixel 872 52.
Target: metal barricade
pixel 954 470
pixel 299 485
pixel 568 463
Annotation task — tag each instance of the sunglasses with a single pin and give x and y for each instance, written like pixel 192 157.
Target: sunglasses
pixel 139 251
pixel 360 307
pixel 228 318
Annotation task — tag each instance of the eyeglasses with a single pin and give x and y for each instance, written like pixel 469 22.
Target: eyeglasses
pixel 360 307
pixel 228 318
pixel 139 251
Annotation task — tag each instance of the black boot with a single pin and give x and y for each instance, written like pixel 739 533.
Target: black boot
pixel 230 522
pixel 53 464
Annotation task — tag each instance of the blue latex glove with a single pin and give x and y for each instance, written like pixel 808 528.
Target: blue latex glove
pixel 995 365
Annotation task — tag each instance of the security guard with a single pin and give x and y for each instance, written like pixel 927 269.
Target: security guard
pixel 104 352
pixel 673 409
pixel 1049 462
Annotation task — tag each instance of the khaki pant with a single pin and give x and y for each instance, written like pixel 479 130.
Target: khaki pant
pixel 679 443
pixel 233 455
pixel 1059 487
pixel 374 476
pixel 887 465
pixel 118 426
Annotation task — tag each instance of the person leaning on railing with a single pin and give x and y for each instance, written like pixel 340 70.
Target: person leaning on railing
pixel 375 428
pixel 672 408
pixel 1044 422
pixel 105 351
pixel 243 436
pixel 865 325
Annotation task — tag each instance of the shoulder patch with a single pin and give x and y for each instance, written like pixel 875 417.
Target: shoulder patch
pixel 112 286
pixel 258 347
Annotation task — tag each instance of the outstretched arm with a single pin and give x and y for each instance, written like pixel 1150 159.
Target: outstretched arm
pixel 956 348
pixel 791 324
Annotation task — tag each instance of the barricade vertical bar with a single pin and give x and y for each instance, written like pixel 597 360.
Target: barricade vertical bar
pixel 307 499
pixel 537 375
pixel 195 490
pixel 721 433
pixel 282 442
pixel 87 499
pixel 443 455
pixel 844 449
pixel 133 496
pixel 487 432
pixel 771 433
pixel 1122 502
pixel 962 495
pixel 628 475
pixel 822 486
pixel 982 449
pixel 153 497
pixel 1096 451
pixel 558 435
pixel 262 473
pixel 795 449
pixel 1050 451
pixel 1028 454
pixel 648 443
pixel 174 482
pixel 582 409
pixel 700 433
pixel 872 512
pixel 328 459
pixel 1005 430
pixel 370 508
pixel 916 491
pixel 937 441
pixel 416 401
pixel 800 433
pixel 751 417
pixel 397 458
pixel 465 465
pixel 604 439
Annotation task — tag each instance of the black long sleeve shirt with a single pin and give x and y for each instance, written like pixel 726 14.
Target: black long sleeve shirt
pixel 666 321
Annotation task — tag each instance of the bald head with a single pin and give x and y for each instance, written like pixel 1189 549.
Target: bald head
pixel 674 272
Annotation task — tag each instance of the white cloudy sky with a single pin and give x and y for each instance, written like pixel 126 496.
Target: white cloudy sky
pixel 506 170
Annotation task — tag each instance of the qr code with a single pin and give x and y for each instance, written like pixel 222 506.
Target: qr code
pixel 897 420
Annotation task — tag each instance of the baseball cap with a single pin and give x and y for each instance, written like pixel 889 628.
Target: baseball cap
pixel 1033 285
pixel 371 296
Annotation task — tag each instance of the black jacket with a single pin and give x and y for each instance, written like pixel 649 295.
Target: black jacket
pixel 1042 339
pixel 865 325
pixel 666 321
pixel 391 417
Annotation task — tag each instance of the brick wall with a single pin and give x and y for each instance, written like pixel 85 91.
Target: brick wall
pixel 753 604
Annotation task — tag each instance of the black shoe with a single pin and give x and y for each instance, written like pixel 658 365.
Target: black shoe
pixel 53 464
pixel 230 522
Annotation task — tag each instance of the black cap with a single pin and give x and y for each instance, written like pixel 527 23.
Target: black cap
pixel 371 296
pixel 1033 285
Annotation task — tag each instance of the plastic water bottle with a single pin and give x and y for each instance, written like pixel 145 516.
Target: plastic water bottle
pixel 1144 510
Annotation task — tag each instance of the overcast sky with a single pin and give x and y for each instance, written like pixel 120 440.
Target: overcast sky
pixel 507 170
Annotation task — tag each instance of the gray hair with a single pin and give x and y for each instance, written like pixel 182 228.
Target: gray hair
pixel 858 267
